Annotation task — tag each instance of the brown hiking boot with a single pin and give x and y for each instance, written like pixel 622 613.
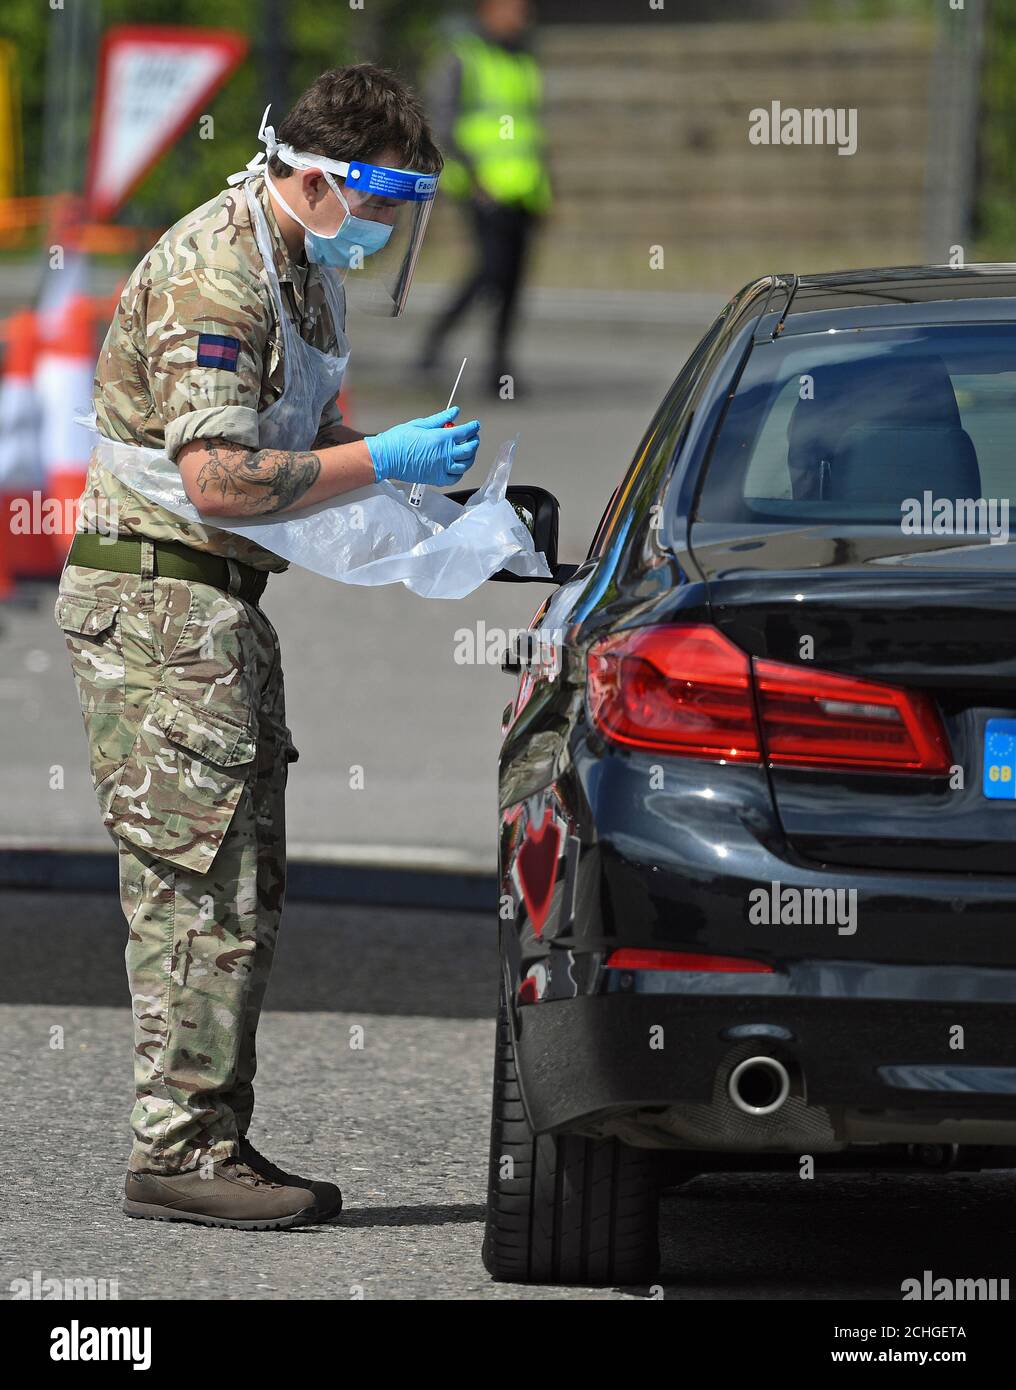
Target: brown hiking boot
pixel 326 1195
pixel 235 1195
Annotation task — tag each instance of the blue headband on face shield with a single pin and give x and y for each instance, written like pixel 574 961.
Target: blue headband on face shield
pixel 375 180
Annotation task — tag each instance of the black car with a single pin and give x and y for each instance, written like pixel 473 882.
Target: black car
pixel 758 784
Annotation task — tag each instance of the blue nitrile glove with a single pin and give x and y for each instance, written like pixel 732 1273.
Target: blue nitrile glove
pixel 423 451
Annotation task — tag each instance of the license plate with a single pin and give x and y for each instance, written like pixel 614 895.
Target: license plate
pixel 1000 759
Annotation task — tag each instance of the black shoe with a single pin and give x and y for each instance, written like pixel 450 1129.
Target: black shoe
pixel 327 1197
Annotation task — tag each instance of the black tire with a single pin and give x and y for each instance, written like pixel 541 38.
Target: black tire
pixel 574 1210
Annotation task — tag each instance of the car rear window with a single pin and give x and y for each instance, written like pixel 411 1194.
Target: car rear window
pixel 859 425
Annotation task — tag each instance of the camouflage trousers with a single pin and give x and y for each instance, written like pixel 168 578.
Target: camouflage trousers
pixel 182 695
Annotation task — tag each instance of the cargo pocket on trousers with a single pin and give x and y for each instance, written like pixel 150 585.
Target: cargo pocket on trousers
pixel 182 783
pixel 89 627
pixel 91 630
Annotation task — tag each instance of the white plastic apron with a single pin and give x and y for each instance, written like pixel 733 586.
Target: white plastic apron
pixel 371 536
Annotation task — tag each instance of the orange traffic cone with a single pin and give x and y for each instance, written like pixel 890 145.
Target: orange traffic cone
pixel 63 377
pixel 28 552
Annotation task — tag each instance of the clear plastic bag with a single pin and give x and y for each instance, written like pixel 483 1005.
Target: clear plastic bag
pixel 372 536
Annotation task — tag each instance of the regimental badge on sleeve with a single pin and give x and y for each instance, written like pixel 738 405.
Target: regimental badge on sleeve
pixel 216 350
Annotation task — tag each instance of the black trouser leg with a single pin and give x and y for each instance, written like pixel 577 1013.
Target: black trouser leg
pixel 474 284
pixel 513 235
pixel 501 235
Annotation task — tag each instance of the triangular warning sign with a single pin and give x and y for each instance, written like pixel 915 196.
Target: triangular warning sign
pixel 153 81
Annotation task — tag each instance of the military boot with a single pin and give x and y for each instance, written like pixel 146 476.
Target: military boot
pixel 234 1195
pixel 326 1194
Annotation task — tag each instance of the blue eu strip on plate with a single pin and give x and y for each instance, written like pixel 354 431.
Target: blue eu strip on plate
pixel 1000 759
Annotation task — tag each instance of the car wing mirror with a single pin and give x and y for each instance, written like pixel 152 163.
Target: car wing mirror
pixel 539 509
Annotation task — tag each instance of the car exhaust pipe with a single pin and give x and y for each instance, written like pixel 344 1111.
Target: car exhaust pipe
pixel 759 1085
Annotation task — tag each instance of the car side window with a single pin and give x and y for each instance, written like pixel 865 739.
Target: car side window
pixel 659 435
pixel 595 543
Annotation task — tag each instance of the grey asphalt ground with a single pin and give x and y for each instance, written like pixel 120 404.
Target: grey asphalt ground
pixel 402 1124
pixel 372 679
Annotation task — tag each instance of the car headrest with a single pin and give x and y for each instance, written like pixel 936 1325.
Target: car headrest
pixel 876 391
pixel 888 463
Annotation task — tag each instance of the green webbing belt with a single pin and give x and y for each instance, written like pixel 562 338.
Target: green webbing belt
pixel 173 560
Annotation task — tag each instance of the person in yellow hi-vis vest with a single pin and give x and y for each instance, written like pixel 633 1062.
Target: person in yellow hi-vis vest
pixel 486 102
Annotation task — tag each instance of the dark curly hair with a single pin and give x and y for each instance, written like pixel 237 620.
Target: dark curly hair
pixel 354 113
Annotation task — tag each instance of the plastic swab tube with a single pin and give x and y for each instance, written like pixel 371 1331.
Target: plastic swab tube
pixel 416 492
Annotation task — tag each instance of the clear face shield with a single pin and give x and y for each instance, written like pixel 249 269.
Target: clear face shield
pixel 367 231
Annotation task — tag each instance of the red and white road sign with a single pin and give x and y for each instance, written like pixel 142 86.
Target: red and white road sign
pixel 153 80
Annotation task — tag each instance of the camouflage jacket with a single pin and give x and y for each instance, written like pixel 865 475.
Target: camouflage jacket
pixel 203 280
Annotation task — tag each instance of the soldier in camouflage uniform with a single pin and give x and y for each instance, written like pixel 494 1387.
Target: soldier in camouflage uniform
pixel 178 669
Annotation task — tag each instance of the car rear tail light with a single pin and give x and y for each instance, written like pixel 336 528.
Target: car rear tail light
pixel 684 690
pixel 634 959
pixel 817 719
pixel 689 691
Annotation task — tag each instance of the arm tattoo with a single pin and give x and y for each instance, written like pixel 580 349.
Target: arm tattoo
pixel 265 480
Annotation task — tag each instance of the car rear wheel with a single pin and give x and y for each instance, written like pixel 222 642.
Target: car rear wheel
pixel 562 1209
